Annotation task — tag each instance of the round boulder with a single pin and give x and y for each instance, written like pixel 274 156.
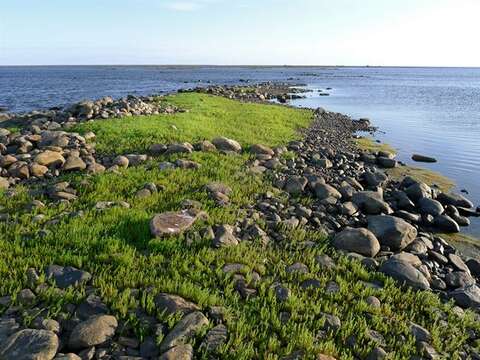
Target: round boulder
pixel 361 241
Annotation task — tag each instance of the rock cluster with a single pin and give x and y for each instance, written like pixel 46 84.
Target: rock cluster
pixel 88 331
pixel 255 92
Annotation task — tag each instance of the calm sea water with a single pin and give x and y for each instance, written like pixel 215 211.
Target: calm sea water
pixel 432 111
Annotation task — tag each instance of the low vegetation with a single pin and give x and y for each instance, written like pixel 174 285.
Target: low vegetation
pixel 129 267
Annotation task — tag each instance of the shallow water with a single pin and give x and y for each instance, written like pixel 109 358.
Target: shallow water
pixel 432 111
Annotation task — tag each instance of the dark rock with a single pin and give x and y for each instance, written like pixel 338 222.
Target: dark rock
pixel 423 158
pixel 446 223
pixel 405 273
pixel 67 276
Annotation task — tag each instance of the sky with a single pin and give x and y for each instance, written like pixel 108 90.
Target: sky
pixel 240 32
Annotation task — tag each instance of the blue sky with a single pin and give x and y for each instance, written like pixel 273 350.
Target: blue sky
pixel 276 32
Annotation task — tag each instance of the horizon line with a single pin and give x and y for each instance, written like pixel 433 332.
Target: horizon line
pixel 245 66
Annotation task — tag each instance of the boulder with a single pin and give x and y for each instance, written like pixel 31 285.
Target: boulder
pixel 30 344
pixel 467 297
pixel 259 149
pixel 418 190
pixel 371 202
pixel 94 331
pixel 50 158
pixel 386 162
pixel 38 170
pixel 205 146
pixel 179 148
pixel 121 161
pixel 456 200
pixel 405 273
pixel 295 184
pixel 391 231
pixel 423 158
pixel 375 178
pixel 172 223
pixel 225 144
pixel 74 163
pixel 360 241
pixel 324 191
pixel 446 223
pixel 430 206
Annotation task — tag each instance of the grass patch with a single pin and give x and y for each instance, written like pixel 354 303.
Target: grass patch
pixel 129 267
pixel 207 117
pixel 368 144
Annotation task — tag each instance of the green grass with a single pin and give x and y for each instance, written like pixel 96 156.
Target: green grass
pixel 129 267
pixel 207 117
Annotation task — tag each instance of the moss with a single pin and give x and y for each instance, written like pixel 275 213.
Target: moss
pixel 427 176
pixel 467 245
pixel 368 144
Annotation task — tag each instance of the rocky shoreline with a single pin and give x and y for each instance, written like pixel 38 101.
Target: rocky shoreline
pixel 389 226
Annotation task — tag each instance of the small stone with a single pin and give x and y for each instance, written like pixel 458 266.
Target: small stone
pixel 121 161
pixel 224 236
pixel 170 304
pixel 180 352
pixel 184 330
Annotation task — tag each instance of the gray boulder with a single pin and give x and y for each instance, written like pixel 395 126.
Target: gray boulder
pixel 324 191
pixel 360 241
pixel 456 200
pixel 92 332
pixel 391 231
pixel 467 297
pixel 225 144
pixel 67 276
pixel 430 206
pixel 405 273
pixel 371 202
pixel 446 223
pixel 30 344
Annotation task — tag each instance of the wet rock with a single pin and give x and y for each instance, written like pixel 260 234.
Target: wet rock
pixel 172 223
pixel 423 158
pixel 359 240
pixel 67 276
pixel 92 332
pixel 391 231
pixel 184 330
pixel 405 273
pixel 171 304
pixel 30 344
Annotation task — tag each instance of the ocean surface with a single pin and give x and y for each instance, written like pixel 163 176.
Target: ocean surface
pixel 431 111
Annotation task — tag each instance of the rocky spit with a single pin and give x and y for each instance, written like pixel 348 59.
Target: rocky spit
pixel 390 226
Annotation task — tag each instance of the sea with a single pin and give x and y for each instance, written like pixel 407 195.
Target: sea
pixel 430 111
